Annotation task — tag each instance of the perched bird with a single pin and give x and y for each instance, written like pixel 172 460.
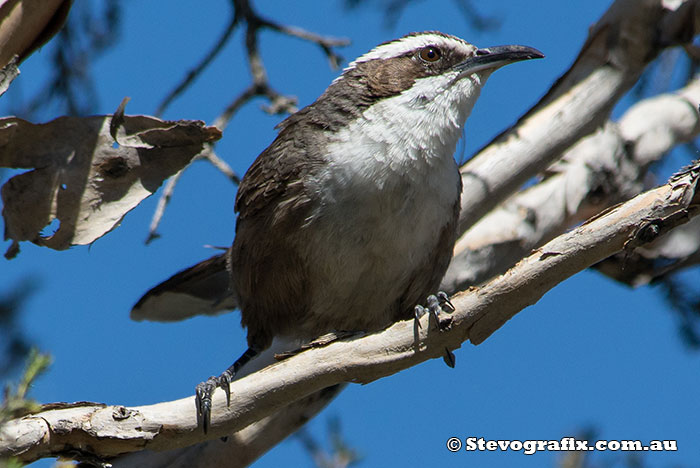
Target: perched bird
pixel 348 219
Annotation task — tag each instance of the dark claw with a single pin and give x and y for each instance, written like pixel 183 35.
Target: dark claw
pixel 449 358
pixel 204 392
pixel 437 304
pixel 198 402
pixel 434 308
pixel 418 312
pixel 225 384
pixel 203 401
pixel 436 311
pixel 444 300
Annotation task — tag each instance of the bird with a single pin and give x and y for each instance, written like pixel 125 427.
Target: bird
pixel 347 221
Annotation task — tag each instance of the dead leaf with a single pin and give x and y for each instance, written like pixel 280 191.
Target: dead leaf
pixel 83 178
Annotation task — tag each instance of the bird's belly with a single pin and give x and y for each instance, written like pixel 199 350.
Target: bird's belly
pixel 366 248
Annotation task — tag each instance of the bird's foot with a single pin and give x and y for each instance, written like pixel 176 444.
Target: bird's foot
pixel 204 392
pixel 438 306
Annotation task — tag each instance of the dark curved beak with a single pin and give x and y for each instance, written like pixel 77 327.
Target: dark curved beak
pixel 495 57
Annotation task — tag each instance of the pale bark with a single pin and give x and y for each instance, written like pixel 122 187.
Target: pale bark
pixel 602 169
pixel 677 250
pixel 107 431
pixel 241 448
pixel 619 47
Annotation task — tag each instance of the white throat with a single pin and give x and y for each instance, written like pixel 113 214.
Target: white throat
pixel 414 133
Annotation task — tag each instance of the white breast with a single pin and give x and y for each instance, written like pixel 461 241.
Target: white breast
pixel 387 192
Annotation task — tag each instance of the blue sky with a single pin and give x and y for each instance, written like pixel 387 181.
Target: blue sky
pixel 589 354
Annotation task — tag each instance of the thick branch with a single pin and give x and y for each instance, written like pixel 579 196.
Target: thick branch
pixel 241 448
pixel 620 45
pixel 605 168
pixel 580 69
pixel 107 431
pixel 609 94
pixel 676 251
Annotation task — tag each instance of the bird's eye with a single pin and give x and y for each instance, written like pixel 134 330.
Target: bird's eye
pixel 430 54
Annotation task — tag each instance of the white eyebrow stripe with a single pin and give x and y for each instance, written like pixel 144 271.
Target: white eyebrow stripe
pixel 405 45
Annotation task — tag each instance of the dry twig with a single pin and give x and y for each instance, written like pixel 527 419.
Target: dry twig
pixel 278 103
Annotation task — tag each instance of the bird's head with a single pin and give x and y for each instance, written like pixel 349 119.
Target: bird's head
pixel 416 91
pixel 428 64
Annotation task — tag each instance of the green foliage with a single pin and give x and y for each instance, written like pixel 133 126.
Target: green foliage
pixel 15 402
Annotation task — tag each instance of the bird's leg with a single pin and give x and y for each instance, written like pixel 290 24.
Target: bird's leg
pixel 205 390
pixel 437 304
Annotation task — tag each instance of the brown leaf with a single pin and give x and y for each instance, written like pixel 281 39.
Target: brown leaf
pixel 84 178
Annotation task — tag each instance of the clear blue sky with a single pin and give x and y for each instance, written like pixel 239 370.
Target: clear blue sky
pixel 589 354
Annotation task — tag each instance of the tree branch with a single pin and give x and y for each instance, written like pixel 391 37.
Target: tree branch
pixel 241 448
pixel 107 431
pixel 200 67
pixel 206 154
pixel 628 36
pixel 591 60
pixel 602 169
pixel 260 86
